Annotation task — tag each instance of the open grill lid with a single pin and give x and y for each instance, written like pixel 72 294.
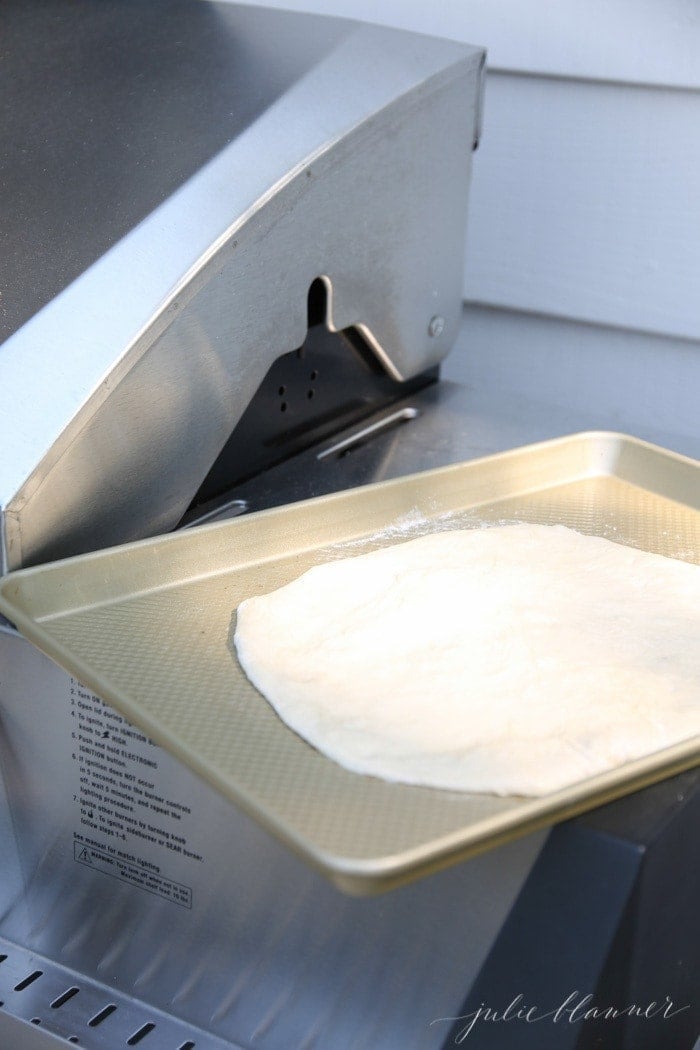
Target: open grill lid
pixel 181 176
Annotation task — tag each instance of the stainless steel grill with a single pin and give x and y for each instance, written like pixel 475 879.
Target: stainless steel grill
pixel 211 213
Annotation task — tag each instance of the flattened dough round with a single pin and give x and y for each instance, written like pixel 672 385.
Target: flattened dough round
pixel 514 660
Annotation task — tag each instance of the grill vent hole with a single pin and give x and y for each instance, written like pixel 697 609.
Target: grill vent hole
pixel 2 958
pixel 189 1045
pixel 143 1031
pixel 28 980
pixel 101 1016
pixel 68 994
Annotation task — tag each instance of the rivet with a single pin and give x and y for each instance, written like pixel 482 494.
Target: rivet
pixel 436 326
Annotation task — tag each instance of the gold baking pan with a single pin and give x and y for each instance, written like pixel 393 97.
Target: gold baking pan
pixel 147 627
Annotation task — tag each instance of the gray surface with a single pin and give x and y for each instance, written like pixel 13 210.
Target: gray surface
pixel 147 626
pixel 35 1016
pixel 513 379
pixel 19 1035
pixel 150 357
pixel 269 954
pixel 510 367
pixel 135 98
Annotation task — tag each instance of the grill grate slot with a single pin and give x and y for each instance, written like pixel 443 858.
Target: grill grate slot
pixel 64 998
pixel 55 1006
pixel 143 1031
pixel 29 980
pixel 101 1016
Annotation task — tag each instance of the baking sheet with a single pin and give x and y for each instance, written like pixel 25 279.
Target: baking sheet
pixel 147 627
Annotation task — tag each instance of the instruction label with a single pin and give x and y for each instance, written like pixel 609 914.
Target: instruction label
pixel 128 822
pixel 131 870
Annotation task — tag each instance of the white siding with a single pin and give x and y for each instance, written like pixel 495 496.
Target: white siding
pixel 586 194
pixel 636 41
pixel 586 203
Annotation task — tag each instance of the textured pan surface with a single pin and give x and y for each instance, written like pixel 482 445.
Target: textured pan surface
pixel 147 626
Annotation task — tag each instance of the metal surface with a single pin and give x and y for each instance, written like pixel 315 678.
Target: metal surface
pixel 123 621
pixel 350 164
pixel 309 394
pixel 135 99
pixel 511 380
pixel 610 907
pixel 268 953
pixel 77 1010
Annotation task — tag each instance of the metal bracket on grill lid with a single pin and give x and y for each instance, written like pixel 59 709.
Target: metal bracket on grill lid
pixel 118 396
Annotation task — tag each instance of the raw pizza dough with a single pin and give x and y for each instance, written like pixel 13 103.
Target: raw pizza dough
pixel 514 660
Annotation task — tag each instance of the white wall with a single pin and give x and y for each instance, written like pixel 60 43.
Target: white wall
pixel 586 203
pixel 635 41
pixel 586 194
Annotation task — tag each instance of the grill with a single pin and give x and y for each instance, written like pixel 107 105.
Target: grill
pixel 233 272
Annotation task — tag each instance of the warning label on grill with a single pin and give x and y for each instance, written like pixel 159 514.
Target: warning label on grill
pixel 130 869
pixel 133 817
